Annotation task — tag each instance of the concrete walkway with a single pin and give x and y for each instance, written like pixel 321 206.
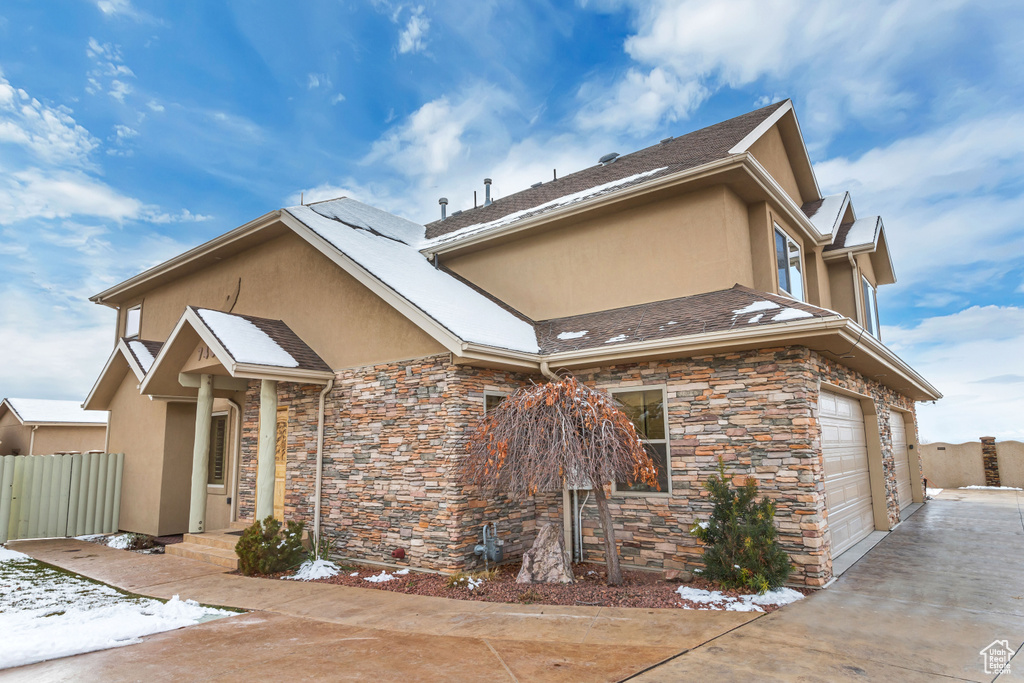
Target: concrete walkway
pixel 918 607
pixel 310 630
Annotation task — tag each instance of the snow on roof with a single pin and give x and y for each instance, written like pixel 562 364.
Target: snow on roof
pixel 142 354
pixel 558 203
pixel 863 231
pixel 245 341
pixel 572 335
pixel 33 410
pixel 468 314
pixel 365 217
pixel 829 213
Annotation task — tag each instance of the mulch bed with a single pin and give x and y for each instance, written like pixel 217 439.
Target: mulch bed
pixel 638 589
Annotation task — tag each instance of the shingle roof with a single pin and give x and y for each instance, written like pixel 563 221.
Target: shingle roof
pixel 676 154
pixel 276 331
pixel 43 410
pixel 863 231
pixel 140 347
pixel 690 315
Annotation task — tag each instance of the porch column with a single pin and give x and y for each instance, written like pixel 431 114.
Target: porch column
pixel 201 456
pixel 268 448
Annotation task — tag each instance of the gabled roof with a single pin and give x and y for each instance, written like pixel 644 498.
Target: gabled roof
pixel 136 355
pixel 143 352
pixel 256 341
pixel 41 411
pixel 670 156
pixel 729 309
pixel 826 213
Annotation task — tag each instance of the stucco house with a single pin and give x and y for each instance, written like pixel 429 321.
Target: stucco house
pixel 38 426
pixel 322 361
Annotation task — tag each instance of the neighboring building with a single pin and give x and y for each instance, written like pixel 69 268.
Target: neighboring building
pixel 704 280
pixel 36 426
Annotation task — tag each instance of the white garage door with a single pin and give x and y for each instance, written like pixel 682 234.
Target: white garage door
pixel 847 483
pixel 901 454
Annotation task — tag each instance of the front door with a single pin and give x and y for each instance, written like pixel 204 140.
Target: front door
pixel 280 462
pixel 218 501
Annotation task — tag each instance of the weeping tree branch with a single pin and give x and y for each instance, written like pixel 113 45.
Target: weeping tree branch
pixel 545 436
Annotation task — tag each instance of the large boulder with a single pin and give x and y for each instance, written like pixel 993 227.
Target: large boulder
pixel 546 561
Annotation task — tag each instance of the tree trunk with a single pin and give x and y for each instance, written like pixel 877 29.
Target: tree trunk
pixel 611 552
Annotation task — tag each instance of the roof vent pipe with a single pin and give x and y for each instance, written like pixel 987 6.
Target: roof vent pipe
pixel 487 191
pixel 443 201
pixel 608 158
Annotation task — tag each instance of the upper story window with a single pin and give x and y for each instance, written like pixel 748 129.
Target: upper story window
pixel 871 308
pixel 646 410
pixel 133 321
pixel 787 260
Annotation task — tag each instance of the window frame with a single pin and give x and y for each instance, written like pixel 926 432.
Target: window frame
pixel 787 241
pixel 219 488
pixel 487 394
pixel 871 320
pixel 668 447
pixel 127 315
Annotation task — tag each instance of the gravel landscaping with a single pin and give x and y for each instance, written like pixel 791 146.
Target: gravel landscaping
pixel 639 589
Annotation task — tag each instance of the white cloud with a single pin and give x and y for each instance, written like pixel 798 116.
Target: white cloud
pixel 973 357
pixel 155 106
pixel 640 101
pixel 337 99
pixel 49 134
pixel 412 38
pixel 109 68
pixel 37 193
pixel 316 80
pixel 112 7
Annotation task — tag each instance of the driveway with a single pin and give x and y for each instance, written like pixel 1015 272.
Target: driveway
pixel 919 606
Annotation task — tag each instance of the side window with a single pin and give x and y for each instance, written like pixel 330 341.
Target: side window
pixel 789 263
pixel 133 321
pixel 215 473
pixel 871 308
pixel 491 401
pixel 646 409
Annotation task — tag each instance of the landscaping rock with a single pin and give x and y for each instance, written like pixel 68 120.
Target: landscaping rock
pixel 546 561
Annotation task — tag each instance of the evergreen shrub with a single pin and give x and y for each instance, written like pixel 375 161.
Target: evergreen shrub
pixel 266 548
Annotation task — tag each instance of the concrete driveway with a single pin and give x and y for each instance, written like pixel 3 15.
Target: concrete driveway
pixel 919 606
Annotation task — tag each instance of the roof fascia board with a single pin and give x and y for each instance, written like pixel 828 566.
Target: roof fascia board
pixel 793 211
pixel 581 207
pixel 861 338
pixel 103 374
pixel 65 424
pixel 251 371
pixel 182 321
pixel 418 317
pixel 842 211
pixel 12 411
pixel 192 254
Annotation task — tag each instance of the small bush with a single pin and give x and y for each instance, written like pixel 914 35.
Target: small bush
pixel 470 580
pixel 320 547
pixel 267 549
pixel 741 546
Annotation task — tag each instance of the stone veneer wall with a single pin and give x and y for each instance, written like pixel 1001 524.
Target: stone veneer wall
pixel 392 433
pixel 757 411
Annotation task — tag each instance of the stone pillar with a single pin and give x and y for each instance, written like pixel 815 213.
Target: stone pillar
pixel 267 450
pixel 989 460
pixel 201 456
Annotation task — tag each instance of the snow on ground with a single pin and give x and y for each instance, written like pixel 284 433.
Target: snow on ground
pixel 717 600
pixel 932 492
pixel 380 578
pixel 246 342
pixel 47 613
pixel 992 488
pixel 120 541
pixel 310 571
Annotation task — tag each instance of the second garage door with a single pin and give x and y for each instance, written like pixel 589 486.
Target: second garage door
pixel 847 482
pixel 901 454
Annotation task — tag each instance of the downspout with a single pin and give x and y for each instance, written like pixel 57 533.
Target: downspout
pixel 857 304
pixel 236 446
pixel 32 440
pixel 320 458
pixel 545 370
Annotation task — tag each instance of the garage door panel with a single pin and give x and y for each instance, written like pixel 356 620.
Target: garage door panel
pixel 901 455
pixel 847 478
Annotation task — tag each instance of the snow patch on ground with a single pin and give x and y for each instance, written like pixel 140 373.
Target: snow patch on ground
pixel 48 613
pixel 120 541
pixel 572 335
pixel 932 492
pixel 716 600
pixel 992 488
pixel 320 569
pixel 379 578
pixel 246 342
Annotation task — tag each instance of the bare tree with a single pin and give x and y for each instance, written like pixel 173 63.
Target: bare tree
pixel 546 435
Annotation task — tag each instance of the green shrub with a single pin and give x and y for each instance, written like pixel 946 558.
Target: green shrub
pixel 267 549
pixel 741 546
pixel 320 547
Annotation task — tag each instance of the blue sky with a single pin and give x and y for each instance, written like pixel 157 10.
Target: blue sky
pixel 130 132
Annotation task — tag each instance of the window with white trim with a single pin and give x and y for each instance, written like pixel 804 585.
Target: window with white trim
pixel 133 321
pixel 871 308
pixel 646 410
pixel 789 264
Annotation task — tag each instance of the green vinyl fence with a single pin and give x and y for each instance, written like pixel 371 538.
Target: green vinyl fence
pixel 51 496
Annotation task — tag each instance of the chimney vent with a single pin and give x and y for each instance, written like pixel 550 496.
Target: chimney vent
pixel 443 201
pixel 487 191
pixel 608 158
